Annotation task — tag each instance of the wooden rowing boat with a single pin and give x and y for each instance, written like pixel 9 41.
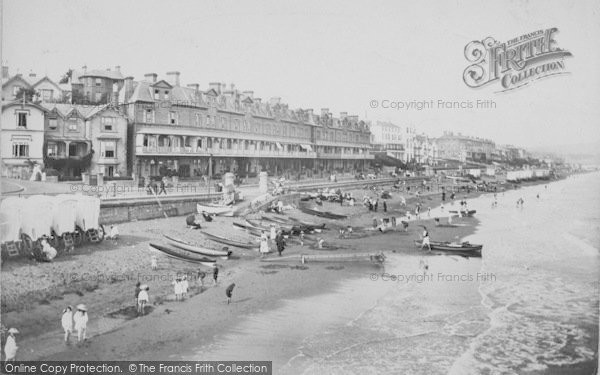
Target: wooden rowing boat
pixel 249 228
pixel 465 213
pixel 276 219
pixel 350 257
pixel 227 241
pixel 325 214
pixel 225 253
pixel 464 248
pixel 184 255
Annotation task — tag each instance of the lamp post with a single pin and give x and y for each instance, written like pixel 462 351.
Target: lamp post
pixel 209 172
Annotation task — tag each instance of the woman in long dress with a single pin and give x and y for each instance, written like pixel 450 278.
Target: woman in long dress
pixel 81 319
pixel 264 244
pixel 67 322
pixel 10 347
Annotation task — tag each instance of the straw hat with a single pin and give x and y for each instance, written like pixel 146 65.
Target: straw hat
pixel 81 307
pixel 13 330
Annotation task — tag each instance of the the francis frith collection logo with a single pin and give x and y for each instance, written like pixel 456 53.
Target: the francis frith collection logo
pixel 515 63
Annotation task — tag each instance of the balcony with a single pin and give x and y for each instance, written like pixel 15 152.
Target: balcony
pixel 344 155
pixel 197 151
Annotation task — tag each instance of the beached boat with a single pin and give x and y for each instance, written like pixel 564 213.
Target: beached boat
pixel 464 213
pixel 325 214
pixel 215 209
pixel 462 248
pixel 225 253
pixel 184 255
pixel 227 241
pixel 249 228
pixel 350 257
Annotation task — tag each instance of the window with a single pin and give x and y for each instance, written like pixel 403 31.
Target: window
pixel 166 94
pixel 108 149
pixel 16 90
pixel 108 123
pixel 98 97
pixel 173 118
pixel 46 94
pixel 148 116
pixel 22 119
pixel 72 124
pixel 198 119
pixel 20 150
pixel 52 123
pixel 98 81
pixel 156 95
pixel 199 143
pixel 52 149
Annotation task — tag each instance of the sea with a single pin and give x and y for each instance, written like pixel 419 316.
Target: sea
pixel 528 306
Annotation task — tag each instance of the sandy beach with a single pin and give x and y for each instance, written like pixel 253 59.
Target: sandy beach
pixel 103 277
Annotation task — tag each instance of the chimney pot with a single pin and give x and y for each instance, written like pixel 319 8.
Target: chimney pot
pixel 215 86
pixel 32 75
pixel 151 77
pixel 194 86
pixel 173 78
pixel 118 68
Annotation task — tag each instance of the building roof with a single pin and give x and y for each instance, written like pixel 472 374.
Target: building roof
pixel 110 74
pixel 86 111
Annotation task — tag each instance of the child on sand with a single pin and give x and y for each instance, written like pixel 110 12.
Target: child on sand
pixel 67 322
pixel 81 318
pixel 229 292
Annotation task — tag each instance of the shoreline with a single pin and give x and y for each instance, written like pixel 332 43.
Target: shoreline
pixel 179 326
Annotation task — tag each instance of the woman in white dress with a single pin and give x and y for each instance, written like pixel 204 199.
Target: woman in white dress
pixel 81 318
pixel 264 244
pixel 67 322
pixel 10 348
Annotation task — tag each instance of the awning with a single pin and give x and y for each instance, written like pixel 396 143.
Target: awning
pixel 306 147
pixel 279 146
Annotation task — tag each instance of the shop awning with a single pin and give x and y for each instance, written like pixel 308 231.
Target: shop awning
pixel 279 146
pixel 306 147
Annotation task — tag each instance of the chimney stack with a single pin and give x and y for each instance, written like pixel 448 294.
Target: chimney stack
pixel 343 115
pixel 128 87
pixel 249 94
pixel 257 100
pixel 324 111
pixel 4 71
pixel 194 86
pixel 173 78
pixel 118 69
pixel 84 68
pixel 150 77
pixel 32 75
pixel 215 86
pixel 275 100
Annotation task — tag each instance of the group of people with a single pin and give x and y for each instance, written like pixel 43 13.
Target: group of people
pixel 276 237
pixel 75 321
pixel 181 286
pixel 373 204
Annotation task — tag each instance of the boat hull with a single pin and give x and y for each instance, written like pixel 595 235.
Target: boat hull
pixel 226 241
pixel 184 255
pixel 457 249
pixel 215 209
pixel 196 249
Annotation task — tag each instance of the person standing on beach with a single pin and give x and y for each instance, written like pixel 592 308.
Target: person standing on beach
pixel 201 276
pixel 184 287
pixel 280 242
pixel 81 319
pixel 229 292
pixel 425 239
pixel 177 289
pixel 384 206
pixel 143 299
pixel 67 322
pixel 154 262
pixel 215 273
pixel 301 238
pixel 137 293
pixel 264 244
pixel 376 204
pixel 10 348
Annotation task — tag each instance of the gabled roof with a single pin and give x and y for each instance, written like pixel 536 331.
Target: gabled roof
pixel 49 80
pixel 162 83
pixel 20 102
pixel 84 111
pixel 19 77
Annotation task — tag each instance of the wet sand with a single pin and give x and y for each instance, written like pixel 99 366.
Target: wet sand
pixel 103 277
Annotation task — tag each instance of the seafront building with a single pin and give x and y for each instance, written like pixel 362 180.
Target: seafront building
pixel 184 131
pixel 464 148
pixel 22 138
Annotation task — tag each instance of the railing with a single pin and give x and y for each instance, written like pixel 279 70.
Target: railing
pixel 344 155
pixel 225 152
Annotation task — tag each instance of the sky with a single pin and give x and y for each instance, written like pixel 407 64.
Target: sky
pixel 340 55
